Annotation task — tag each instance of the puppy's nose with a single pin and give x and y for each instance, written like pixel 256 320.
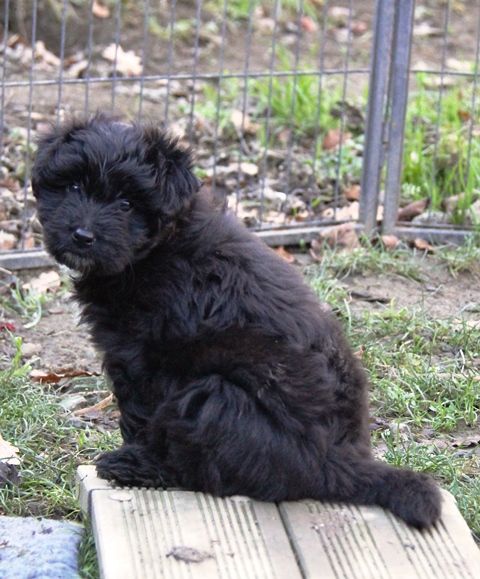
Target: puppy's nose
pixel 83 236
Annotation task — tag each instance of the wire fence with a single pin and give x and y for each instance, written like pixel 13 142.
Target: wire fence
pixel 294 107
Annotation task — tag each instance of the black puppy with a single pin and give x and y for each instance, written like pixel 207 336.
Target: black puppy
pixel 230 376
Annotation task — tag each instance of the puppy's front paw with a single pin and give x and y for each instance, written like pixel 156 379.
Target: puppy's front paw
pixel 130 465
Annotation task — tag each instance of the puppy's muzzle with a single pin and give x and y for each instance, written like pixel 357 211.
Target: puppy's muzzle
pixel 83 237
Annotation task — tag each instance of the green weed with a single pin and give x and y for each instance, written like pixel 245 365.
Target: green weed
pixel 26 302
pixel 241 9
pixel 440 163
pixel 370 259
pixel 295 103
pixel 463 258
pixel 50 449
pixel 87 556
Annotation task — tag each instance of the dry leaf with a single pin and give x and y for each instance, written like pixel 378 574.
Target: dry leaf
pixel 350 212
pixel 95 407
pixel 127 62
pixel 334 138
pixel 52 377
pixel 343 236
pixel 460 65
pixel 41 53
pixel 423 245
pixel 464 116
pixel 390 241
pixel 8 452
pixel 352 193
pixel 7 241
pixel 308 24
pixel 425 29
pixel 243 123
pixel 467 441
pixel 45 282
pixel 359 353
pixel 413 209
pixel 284 254
pixel 29 241
pixel 359 27
pixel 77 69
pixel 368 297
pixel 249 169
pixel 189 554
pixel 99 10
pixel 339 14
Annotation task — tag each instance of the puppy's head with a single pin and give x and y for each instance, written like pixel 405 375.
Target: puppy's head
pixel 106 191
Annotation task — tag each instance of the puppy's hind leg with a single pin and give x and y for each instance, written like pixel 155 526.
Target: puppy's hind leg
pixel 412 496
pixel 133 465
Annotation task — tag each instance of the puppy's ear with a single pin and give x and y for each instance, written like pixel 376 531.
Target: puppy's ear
pixel 48 144
pixel 173 167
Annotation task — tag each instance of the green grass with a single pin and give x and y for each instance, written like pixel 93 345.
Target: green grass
pixel 463 258
pixel 435 163
pixel 26 302
pixel 50 449
pixel 300 103
pixel 369 258
pixel 240 9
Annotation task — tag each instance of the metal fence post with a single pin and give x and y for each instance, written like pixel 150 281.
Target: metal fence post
pixel 401 50
pixel 376 111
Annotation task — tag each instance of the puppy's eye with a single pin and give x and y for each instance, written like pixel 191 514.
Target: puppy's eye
pixel 73 188
pixel 125 205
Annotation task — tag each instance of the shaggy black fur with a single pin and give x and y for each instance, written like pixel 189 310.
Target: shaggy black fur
pixel 231 378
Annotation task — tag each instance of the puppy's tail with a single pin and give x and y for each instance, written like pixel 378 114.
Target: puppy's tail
pixel 412 496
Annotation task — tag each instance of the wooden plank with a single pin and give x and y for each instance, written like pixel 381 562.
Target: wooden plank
pixel 29 259
pixel 291 235
pixel 148 533
pixel 343 541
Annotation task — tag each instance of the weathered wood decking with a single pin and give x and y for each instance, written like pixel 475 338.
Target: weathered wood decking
pixel 147 533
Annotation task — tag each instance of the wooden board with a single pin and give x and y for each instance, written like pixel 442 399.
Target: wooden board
pixel 150 534
pixel 368 542
pixel 146 533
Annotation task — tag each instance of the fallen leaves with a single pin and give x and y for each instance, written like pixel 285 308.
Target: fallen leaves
pixel 9 463
pixel 334 138
pixel 100 10
pixel 7 241
pixel 413 209
pixel 343 236
pixel 423 245
pixel 8 452
pixel 349 212
pixel 189 554
pixel 242 123
pixel 95 409
pixel 390 241
pixel 48 281
pixel 352 193
pixel 126 63
pixel 53 377
pixel 284 254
